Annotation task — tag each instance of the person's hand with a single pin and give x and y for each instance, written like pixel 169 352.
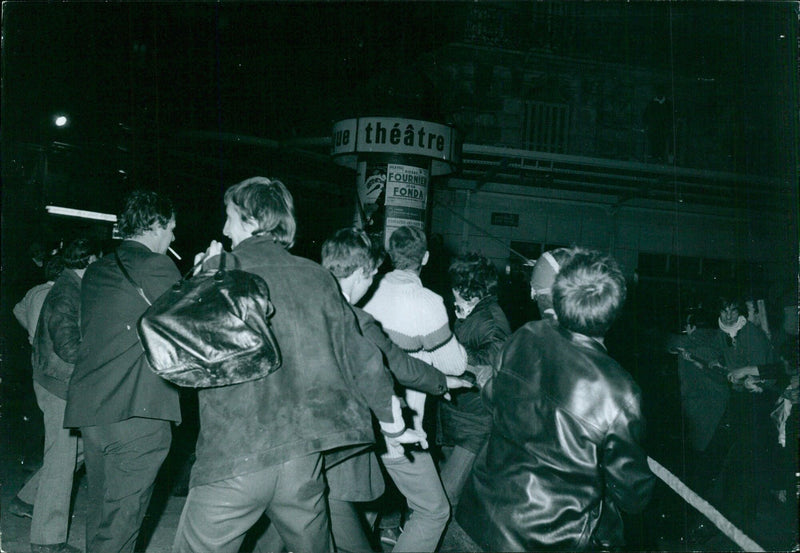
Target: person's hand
pixel 738 374
pixel 751 383
pixel 410 436
pixel 455 382
pixel 214 248
pixel 686 356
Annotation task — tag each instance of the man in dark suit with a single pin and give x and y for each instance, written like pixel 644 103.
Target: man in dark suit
pixel 121 407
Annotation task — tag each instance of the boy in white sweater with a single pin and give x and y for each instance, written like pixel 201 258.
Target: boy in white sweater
pixel 416 320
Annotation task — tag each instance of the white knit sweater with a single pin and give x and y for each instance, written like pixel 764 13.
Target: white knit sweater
pixel 416 320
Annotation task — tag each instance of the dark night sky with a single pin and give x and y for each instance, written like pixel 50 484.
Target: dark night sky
pixel 274 69
pixel 279 70
pixel 269 69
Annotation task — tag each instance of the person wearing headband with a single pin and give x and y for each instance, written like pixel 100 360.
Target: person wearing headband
pixel 563 456
pixel 542 277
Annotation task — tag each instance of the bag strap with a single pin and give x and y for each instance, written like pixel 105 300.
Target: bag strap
pixel 220 270
pixel 128 276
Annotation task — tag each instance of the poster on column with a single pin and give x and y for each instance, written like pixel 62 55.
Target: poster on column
pixel 371 186
pixel 406 197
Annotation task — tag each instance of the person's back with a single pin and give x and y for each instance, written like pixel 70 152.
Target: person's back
pixel 28 309
pixel 304 406
pixel 416 320
pixel 112 380
pixel 413 316
pixel 563 454
pixel 124 411
pixel 261 442
pixel 554 417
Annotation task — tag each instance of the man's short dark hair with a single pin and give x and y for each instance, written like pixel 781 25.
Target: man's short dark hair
pixel 407 247
pixel 268 204
pixel 78 253
pixel 473 276
pixel 724 302
pixel 143 209
pixel 348 250
pixel 588 293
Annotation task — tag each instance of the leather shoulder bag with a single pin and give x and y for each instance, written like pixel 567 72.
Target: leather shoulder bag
pixel 211 329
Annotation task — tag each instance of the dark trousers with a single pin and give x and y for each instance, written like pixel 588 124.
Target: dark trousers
pixel 122 462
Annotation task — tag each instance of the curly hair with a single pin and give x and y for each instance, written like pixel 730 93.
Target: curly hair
pixel 267 203
pixel 142 209
pixel 53 267
pixel 79 252
pixel 473 276
pixel 588 293
pixel 407 247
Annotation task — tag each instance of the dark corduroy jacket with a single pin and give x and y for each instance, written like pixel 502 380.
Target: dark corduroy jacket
pixel 357 477
pixel 563 453
pixel 318 400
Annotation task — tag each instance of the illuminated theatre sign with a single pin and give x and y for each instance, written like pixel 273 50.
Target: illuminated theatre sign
pixel 394 159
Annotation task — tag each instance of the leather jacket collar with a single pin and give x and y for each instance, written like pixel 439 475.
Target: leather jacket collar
pixel 582 340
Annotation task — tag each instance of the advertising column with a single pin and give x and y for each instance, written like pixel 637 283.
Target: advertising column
pixel 394 159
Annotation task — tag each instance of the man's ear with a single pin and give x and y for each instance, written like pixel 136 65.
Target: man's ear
pixel 249 226
pixel 425 258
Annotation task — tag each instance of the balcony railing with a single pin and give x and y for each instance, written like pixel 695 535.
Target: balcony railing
pixel 546 127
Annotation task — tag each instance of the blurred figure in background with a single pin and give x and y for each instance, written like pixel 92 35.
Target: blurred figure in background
pixel 727 423
pixel 659 123
pixel 27 313
pixel 28 309
pixel 55 350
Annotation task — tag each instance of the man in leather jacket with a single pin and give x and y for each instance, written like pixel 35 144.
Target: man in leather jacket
pixel 563 456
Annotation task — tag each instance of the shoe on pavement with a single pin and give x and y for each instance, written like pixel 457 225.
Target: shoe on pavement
pixel 19 508
pixel 54 548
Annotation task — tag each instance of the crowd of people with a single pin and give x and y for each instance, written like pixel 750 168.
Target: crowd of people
pixel 738 385
pixel 537 432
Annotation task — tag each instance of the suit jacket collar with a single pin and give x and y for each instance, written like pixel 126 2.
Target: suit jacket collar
pixel 134 245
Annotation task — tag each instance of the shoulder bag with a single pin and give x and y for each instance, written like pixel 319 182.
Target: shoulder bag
pixel 211 329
